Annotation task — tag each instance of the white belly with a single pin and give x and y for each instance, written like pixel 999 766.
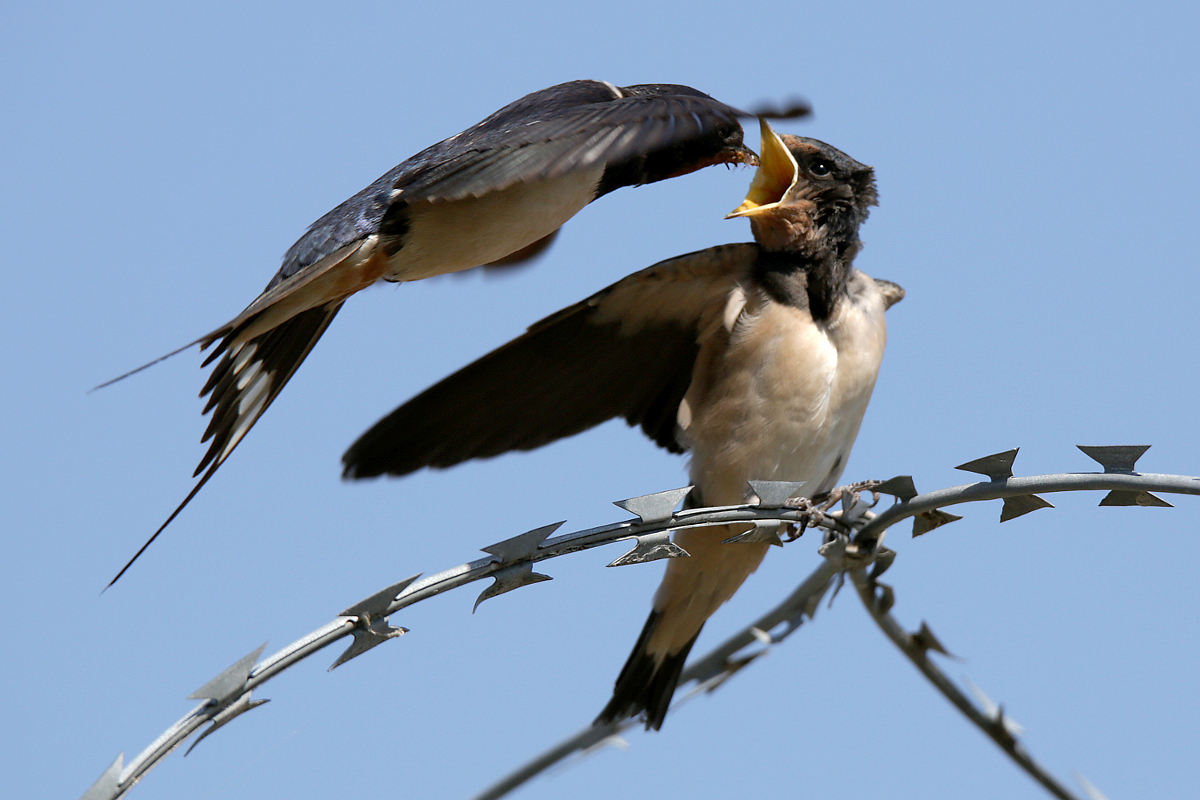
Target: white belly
pixel 790 399
pixel 460 234
pixel 774 397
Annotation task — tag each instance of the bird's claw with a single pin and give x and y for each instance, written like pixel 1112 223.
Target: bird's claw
pixel 853 490
pixel 813 516
pixel 817 508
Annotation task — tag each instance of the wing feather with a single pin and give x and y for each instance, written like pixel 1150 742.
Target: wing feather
pixel 641 133
pixel 627 351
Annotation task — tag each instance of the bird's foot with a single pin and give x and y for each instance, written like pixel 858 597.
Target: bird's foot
pixel 814 515
pixel 853 490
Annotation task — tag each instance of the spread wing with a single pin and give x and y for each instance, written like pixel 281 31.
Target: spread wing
pixel 627 351
pixel 666 128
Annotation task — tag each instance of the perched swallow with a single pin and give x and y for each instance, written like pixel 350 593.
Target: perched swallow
pixel 495 193
pixel 758 359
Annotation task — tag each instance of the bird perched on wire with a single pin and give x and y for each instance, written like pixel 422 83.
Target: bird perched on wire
pixel 757 359
pixel 497 192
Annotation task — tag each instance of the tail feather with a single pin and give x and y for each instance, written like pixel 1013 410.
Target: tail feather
pixel 647 682
pixel 241 388
pixel 203 342
pixel 243 384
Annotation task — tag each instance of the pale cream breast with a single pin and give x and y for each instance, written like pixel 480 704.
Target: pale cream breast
pixel 790 398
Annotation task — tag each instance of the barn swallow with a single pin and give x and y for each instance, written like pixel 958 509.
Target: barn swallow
pixel 757 359
pixel 495 193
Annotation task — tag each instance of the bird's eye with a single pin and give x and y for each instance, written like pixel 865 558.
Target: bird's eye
pixel 820 167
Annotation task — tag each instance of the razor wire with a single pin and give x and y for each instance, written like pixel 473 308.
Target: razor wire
pixel 852 545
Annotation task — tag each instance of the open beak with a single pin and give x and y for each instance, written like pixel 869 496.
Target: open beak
pixel 777 173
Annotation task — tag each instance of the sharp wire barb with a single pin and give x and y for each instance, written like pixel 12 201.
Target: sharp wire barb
pixel 852 547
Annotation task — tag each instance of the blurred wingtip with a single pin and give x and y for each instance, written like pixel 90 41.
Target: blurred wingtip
pixel 795 107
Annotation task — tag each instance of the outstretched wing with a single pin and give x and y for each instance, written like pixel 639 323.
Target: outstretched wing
pixel 627 351
pixel 642 133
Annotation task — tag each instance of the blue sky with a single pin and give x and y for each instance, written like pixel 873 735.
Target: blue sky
pixel 1037 170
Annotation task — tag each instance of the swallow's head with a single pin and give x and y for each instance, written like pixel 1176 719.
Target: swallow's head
pixel 804 190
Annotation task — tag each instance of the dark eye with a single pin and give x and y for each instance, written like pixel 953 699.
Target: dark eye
pixel 820 167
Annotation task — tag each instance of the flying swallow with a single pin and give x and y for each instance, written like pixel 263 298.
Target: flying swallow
pixel 495 193
pixel 757 359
